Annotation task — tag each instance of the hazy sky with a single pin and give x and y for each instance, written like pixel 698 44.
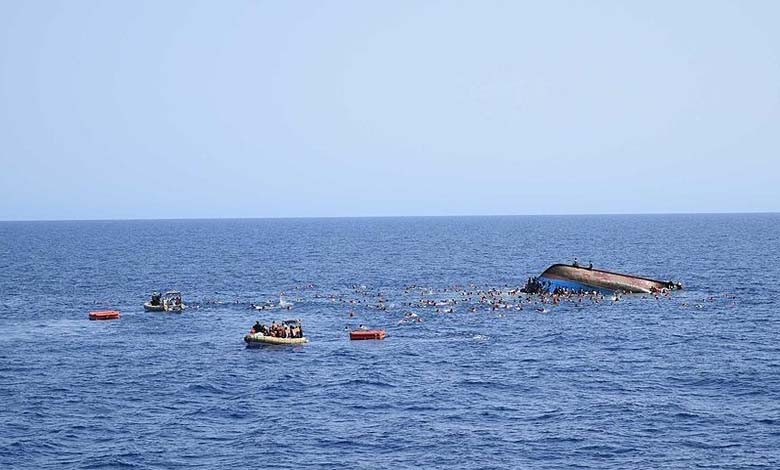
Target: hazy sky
pixel 131 109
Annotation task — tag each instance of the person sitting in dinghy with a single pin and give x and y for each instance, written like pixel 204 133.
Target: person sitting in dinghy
pixel 259 328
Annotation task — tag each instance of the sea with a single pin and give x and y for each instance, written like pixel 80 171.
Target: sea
pixel 687 380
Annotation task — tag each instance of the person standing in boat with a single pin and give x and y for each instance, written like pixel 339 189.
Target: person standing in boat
pixel 576 264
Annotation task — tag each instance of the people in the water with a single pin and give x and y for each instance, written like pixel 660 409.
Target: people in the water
pixel 535 286
pixel 409 305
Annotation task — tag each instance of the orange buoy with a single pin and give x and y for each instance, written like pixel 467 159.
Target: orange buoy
pixel 104 315
pixel 367 334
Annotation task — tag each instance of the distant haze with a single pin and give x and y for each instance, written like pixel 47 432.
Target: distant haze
pixel 163 109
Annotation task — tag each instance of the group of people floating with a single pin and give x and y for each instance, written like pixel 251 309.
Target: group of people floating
pixel 535 286
pixel 278 330
pixel 412 302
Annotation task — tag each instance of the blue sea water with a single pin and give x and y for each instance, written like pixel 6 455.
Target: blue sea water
pixel 688 381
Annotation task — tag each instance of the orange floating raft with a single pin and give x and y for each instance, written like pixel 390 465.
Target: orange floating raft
pixel 367 334
pixel 104 315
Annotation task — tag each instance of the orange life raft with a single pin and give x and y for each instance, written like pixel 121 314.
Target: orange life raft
pixel 104 315
pixel 367 334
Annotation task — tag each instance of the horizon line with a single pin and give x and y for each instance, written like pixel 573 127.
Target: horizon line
pixel 591 214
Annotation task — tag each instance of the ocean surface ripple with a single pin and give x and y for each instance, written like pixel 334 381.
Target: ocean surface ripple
pixel 686 381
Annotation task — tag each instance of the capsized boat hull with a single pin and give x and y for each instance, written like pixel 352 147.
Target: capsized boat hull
pixel 581 278
pixel 257 340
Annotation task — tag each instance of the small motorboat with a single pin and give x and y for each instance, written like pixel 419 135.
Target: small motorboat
pixel 367 334
pixel 104 315
pixel 276 334
pixel 167 302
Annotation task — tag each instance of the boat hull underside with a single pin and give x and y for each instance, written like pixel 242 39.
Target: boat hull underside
pixel 578 278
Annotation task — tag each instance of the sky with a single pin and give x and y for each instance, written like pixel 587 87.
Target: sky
pixel 187 109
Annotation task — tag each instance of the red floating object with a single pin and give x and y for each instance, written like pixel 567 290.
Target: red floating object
pixel 367 334
pixel 104 315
